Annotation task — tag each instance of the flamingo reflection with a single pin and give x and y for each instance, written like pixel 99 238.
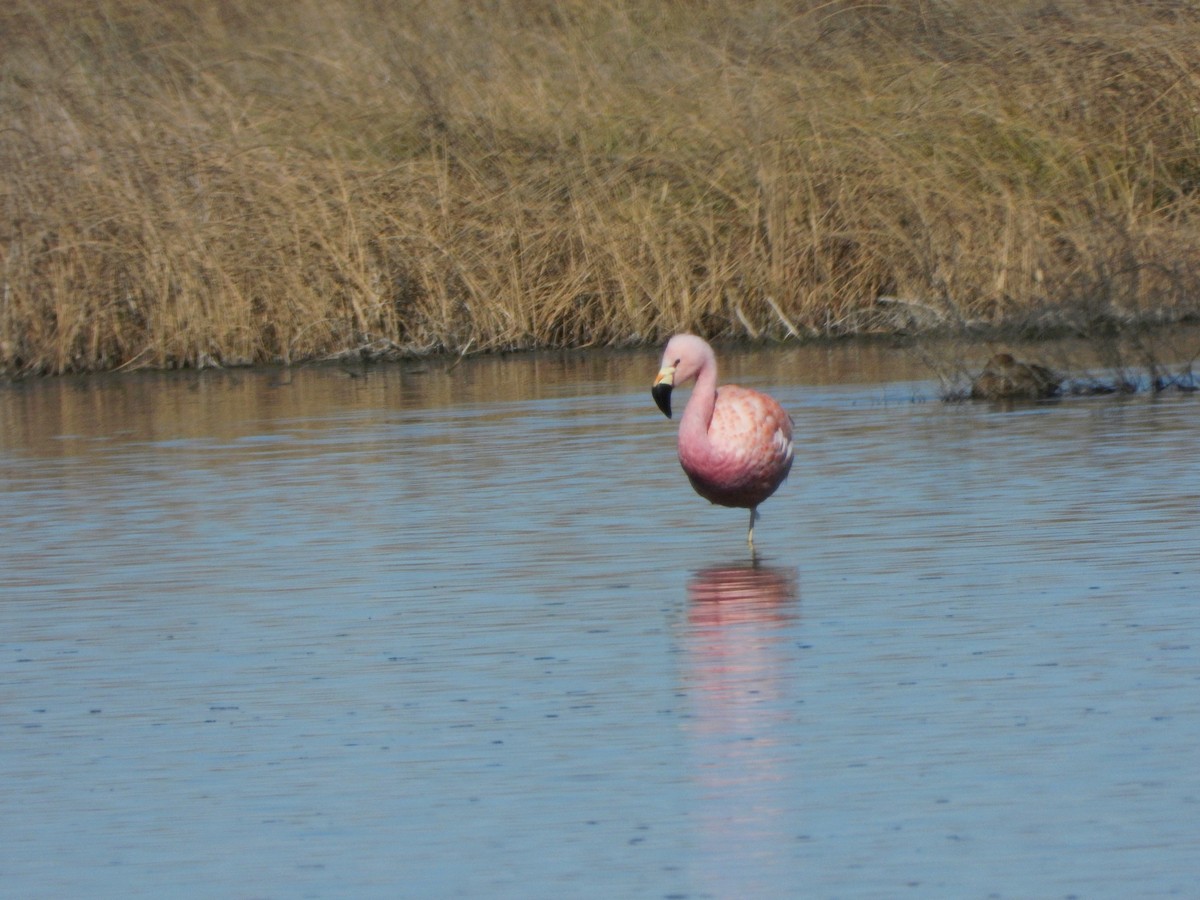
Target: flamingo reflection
pixel 742 593
pixel 741 651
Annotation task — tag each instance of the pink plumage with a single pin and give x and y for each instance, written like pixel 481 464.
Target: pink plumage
pixel 735 444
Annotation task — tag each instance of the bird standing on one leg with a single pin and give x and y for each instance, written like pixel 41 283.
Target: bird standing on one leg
pixel 735 444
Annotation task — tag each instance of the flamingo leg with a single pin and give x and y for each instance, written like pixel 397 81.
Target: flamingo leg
pixel 750 534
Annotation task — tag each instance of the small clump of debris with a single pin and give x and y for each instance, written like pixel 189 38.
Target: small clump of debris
pixel 1006 378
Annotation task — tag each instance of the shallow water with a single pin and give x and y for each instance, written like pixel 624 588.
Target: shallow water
pixel 411 632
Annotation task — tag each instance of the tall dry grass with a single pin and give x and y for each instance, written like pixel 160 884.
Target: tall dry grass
pixel 218 183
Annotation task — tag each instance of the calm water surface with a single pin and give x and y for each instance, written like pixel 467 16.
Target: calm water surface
pixel 406 632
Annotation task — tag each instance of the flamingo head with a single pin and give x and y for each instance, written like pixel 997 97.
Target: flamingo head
pixel 685 355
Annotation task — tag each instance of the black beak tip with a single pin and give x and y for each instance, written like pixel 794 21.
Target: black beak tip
pixel 662 397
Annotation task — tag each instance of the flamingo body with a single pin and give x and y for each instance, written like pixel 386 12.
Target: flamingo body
pixel 748 453
pixel 735 444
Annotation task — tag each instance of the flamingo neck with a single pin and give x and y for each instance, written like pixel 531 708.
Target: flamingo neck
pixel 697 415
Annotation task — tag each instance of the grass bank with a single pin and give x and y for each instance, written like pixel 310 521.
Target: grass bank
pixel 228 183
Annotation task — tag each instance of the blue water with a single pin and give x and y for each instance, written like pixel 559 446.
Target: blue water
pixel 404 632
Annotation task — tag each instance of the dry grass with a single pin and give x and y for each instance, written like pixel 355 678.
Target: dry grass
pixel 224 183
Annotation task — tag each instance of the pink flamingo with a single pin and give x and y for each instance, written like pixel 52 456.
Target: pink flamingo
pixel 735 444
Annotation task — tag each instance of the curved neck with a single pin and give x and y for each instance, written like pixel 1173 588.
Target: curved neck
pixel 698 413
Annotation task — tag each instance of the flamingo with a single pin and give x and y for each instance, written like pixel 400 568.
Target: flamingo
pixel 735 444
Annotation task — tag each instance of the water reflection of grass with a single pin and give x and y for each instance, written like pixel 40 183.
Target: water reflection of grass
pixel 218 184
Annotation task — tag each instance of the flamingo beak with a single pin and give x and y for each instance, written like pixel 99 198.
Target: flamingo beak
pixel 661 392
